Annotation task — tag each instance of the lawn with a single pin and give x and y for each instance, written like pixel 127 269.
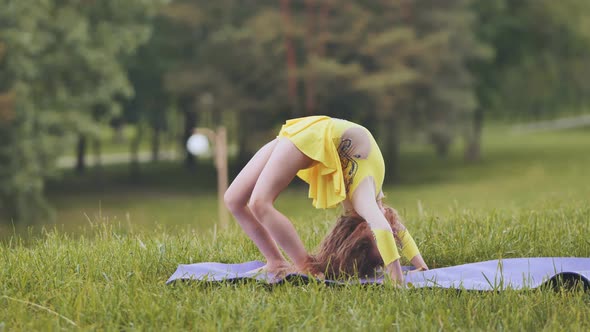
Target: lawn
pixel 102 265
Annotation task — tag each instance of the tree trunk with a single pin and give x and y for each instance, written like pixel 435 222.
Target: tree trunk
pixel 311 51
pixel 388 128
pixel 156 143
pixel 81 154
pixel 290 53
pixel 322 26
pixel 243 139
pixel 190 122
pixel 441 146
pixel 393 137
pixel 118 126
pixel 441 137
pixel 473 147
pixel 216 116
pixel 96 146
pixel 134 166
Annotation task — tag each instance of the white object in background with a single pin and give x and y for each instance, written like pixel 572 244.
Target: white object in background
pixel 197 144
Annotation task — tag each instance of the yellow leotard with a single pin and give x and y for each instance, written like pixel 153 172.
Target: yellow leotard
pixel 344 152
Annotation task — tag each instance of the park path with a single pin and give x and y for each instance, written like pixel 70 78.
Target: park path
pixel 552 125
pixel 66 162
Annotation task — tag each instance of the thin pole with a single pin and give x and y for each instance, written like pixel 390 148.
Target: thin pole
pixel 219 140
pixel 222 181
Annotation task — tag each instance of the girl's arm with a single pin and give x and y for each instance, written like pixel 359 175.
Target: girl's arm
pixel 365 204
pixel 405 241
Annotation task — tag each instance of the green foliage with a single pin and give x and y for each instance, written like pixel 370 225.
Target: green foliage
pixel 541 50
pixel 63 63
pixel 421 68
pixel 228 70
pixel 371 71
pixel 408 70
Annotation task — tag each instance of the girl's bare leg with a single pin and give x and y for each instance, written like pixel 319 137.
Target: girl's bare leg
pixel 280 169
pixel 236 199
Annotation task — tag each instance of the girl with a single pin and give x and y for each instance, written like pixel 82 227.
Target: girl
pixel 340 161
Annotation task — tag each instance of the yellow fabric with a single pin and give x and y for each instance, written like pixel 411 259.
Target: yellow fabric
pixel 386 245
pixel 409 247
pixel 371 166
pixel 319 137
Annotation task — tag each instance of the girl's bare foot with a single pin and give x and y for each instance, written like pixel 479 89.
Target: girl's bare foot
pixel 279 269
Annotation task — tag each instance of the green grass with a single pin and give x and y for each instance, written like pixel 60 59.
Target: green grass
pixel 103 265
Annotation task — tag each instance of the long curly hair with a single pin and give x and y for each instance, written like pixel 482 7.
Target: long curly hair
pixel 349 249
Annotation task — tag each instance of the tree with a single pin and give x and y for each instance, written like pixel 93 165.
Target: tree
pixel 540 56
pixel 408 62
pixel 450 96
pixel 62 63
pixel 230 68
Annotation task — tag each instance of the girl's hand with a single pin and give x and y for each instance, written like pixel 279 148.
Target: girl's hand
pixel 394 271
pixel 419 263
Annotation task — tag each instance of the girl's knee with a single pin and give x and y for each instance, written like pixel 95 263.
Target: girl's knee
pixel 234 202
pixel 260 208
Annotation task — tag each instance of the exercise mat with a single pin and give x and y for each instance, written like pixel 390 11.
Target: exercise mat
pixel 510 273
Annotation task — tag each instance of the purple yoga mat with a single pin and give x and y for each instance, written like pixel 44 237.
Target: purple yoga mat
pixel 511 273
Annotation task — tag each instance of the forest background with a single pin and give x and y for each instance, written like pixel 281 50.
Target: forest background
pixel 81 80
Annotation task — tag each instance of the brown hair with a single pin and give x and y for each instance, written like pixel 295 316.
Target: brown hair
pixel 349 250
pixel 394 220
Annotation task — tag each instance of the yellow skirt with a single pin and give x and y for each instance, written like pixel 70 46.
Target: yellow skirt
pixel 314 137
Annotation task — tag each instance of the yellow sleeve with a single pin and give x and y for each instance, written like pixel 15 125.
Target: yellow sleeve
pixel 386 245
pixel 409 247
